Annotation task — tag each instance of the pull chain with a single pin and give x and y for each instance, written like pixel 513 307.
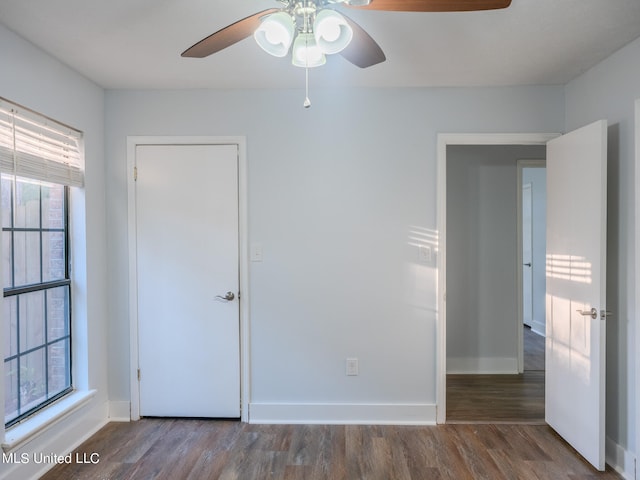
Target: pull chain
pixel 307 102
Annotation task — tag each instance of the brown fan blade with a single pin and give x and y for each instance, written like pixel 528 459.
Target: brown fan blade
pixel 228 35
pixel 362 51
pixel 435 5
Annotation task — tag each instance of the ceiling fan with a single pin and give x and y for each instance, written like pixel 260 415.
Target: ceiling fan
pixel 315 29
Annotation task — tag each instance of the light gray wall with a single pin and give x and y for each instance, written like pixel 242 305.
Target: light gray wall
pixel 482 296
pixel 35 80
pixel 338 195
pixel 537 177
pixel 608 91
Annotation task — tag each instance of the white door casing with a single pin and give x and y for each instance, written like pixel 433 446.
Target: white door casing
pixel 637 277
pixel 576 285
pixel 182 212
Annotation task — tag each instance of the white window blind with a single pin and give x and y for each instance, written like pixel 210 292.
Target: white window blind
pixel 36 147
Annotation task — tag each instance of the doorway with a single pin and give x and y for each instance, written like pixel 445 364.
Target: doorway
pixel 187 224
pixel 506 361
pixel 486 380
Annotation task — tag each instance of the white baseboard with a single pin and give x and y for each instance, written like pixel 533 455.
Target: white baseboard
pixel 539 328
pixel 343 414
pixel 482 365
pixel 621 460
pixel 119 411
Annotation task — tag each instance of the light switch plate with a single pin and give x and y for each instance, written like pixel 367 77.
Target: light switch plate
pixel 352 366
pixel 256 252
pixel 424 253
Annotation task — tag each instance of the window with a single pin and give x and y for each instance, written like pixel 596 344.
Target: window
pixel 36 313
pixel 39 159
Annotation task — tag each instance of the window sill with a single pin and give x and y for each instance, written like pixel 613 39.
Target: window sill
pixel 21 433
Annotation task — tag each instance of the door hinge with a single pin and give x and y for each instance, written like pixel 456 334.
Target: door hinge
pixel 135 174
pixel 138 374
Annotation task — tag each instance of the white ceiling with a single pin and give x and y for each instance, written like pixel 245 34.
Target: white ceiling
pixel 137 43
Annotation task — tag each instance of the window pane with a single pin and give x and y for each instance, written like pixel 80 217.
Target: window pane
pixel 26 258
pixel 7 253
pixel 6 194
pixel 10 390
pixel 32 380
pixel 10 316
pixel 53 206
pixel 31 313
pixel 27 208
pixel 53 256
pixel 57 313
pixel 59 357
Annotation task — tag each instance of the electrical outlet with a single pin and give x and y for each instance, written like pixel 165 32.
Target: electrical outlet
pixel 352 366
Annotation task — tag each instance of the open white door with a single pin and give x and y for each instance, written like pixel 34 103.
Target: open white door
pixel 576 286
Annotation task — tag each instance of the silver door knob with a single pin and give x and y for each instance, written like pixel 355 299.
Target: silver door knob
pixel 228 297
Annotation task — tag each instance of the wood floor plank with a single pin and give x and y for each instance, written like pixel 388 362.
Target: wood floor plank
pixel 474 452
pixel 219 450
pixel 330 457
pixel 534 345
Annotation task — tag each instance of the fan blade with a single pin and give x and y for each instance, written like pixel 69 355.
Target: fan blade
pixel 362 51
pixel 228 35
pixel 435 5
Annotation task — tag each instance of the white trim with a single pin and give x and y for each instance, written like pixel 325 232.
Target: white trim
pixel 78 428
pixel 483 365
pixel 245 372
pixel 23 432
pixel 132 142
pixel 343 414
pixel 621 460
pixel 119 411
pixel 445 139
pixel 637 278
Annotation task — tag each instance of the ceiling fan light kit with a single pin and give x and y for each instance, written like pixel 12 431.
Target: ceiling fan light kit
pixel 315 29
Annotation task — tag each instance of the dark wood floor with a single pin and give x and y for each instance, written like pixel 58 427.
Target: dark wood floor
pixel 207 449
pixel 172 449
pixel 501 398
pixel 496 398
